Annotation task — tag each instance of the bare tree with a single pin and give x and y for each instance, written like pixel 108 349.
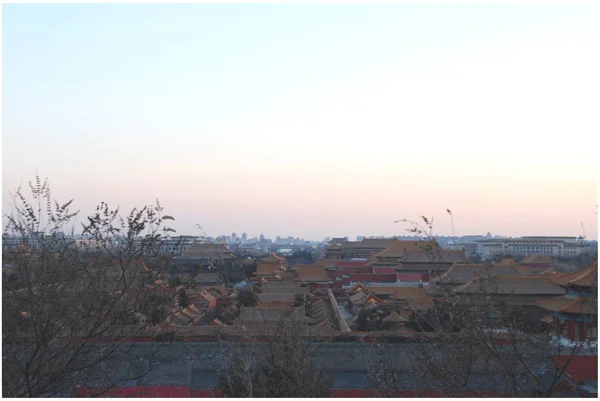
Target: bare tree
pixel 281 366
pixel 182 298
pixel 65 302
pixel 246 298
pixel 477 344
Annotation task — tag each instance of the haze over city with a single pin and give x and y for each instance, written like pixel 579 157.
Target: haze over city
pixel 346 119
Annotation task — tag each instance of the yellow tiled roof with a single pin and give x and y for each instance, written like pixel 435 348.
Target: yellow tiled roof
pixel 587 277
pixel 397 248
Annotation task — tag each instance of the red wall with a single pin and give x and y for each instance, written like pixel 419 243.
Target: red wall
pixel 186 392
pixel 580 367
pixel 352 270
pixel 206 393
pixel 373 278
pixel 413 277
pixel 351 264
pixel 138 392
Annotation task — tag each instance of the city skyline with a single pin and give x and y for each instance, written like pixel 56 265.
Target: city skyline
pixel 309 120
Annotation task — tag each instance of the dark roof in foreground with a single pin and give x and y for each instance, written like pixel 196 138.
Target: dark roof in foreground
pixel 587 277
pixel 462 273
pixel 515 285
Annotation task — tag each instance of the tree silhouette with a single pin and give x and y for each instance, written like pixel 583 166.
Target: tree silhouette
pixel 182 298
pixel 247 298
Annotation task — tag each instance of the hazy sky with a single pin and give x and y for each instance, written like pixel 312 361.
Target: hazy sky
pixel 310 120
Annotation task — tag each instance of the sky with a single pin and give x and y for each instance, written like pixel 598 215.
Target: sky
pixel 310 120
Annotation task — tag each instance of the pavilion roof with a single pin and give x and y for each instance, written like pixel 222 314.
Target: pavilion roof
pixel 506 285
pixel 394 318
pixel 312 273
pixel 535 271
pixel 462 273
pixel 372 256
pixel 272 258
pixel 373 243
pixel 264 269
pixel 435 255
pixel 191 313
pixel 506 262
pixel 587 277
pixel 386 290
pixel 397 248
pixel 358 298
pixel 322 314
pixel 537 260
pixel 393 291
pixel 573 305
pixel 358 287
pixel 372 298
pixel 342 245
pixel 279 297
pixel 282 285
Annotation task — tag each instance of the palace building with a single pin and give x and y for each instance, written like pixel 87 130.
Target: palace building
pixel 270 268
pixel 511 290
pixel 417 257
pixel 357 250
pixel 463 273
pixel 575 314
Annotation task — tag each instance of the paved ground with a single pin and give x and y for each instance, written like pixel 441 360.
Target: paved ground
pixel 198 365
